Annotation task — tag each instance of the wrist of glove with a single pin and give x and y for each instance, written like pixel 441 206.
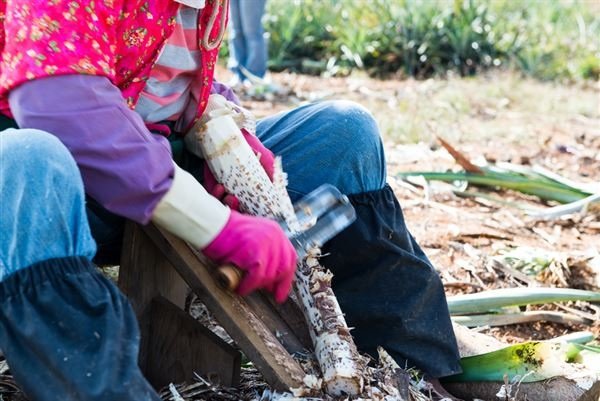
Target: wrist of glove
pixel 266 159
pixel 259 247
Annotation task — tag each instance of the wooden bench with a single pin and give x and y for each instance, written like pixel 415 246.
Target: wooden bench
pixel 157 272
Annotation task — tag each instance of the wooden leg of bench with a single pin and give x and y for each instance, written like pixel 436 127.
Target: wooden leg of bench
pixel 247 328
pixel 145 275
pixel 181 346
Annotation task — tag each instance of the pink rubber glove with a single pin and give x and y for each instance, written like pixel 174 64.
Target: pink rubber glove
pixel 265 156
pixel 266 159
pixel 259 247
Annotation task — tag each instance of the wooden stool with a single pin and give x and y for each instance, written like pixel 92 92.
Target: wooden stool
pixel 156 271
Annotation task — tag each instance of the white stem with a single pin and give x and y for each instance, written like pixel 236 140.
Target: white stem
pixel 561 210
pixel 340 362
pixel 236 166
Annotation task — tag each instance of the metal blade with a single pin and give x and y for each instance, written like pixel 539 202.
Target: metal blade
pixel 326 227
pixel 316 203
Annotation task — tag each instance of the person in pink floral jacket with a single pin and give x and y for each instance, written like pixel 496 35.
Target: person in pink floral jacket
pixel 95 97
pixel 71 74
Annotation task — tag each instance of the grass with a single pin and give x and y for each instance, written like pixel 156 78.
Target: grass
pixel 545 39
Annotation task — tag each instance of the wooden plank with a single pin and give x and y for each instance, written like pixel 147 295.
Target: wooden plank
pixel 257 342
pixel 285 321
pixel 182 346
pixel 143 275
pixel 291 313
pixel 144 272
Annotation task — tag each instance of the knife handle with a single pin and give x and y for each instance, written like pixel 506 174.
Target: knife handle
pixel 229 276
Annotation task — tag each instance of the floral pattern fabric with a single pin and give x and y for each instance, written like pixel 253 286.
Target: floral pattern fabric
pixel 118 39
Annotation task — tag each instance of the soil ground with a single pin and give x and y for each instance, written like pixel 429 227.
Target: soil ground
pixel 500 117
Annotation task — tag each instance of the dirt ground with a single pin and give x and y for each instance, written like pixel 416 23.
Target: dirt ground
pixel 499 117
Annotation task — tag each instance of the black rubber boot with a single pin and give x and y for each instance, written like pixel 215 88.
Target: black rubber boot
pixel 388 289
pixel 69 334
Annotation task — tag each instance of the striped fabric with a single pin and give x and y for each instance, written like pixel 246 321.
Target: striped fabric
pixel 193 3
pixel 171 93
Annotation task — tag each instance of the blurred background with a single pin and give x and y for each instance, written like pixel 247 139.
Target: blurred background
pixel 545 39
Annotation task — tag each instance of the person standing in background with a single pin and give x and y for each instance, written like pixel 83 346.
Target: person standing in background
pixel 248 50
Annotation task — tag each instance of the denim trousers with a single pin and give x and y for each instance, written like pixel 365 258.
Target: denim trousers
pixel 247 44
pixel 67 332
pixel 335 142
pixel 389 291
pixel 42 209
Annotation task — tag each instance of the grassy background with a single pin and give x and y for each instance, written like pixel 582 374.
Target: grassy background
pixel 544 39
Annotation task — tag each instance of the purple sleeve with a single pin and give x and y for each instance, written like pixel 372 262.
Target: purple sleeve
pixel 124 167
pixel 225 91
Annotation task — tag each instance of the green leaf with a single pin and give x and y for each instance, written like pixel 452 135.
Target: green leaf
pixel 527 362
pixel 496 299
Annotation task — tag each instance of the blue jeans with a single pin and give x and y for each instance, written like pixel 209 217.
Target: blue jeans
pixel 42 208
pixel 334 142
pixel 66 330
pixel 247 44
pixel 386 286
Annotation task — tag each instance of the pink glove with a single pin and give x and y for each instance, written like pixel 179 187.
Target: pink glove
pixel 266 159
pixel 265 156
pixel 259 247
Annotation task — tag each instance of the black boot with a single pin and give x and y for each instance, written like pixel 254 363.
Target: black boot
pixel 388 289
pixel 68 334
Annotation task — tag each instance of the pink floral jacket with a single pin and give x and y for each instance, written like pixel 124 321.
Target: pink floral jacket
pixel 119 39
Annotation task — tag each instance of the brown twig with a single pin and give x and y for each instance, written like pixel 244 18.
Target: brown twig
pixel 461 159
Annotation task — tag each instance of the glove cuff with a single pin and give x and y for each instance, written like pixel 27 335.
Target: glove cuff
pixel 189 212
